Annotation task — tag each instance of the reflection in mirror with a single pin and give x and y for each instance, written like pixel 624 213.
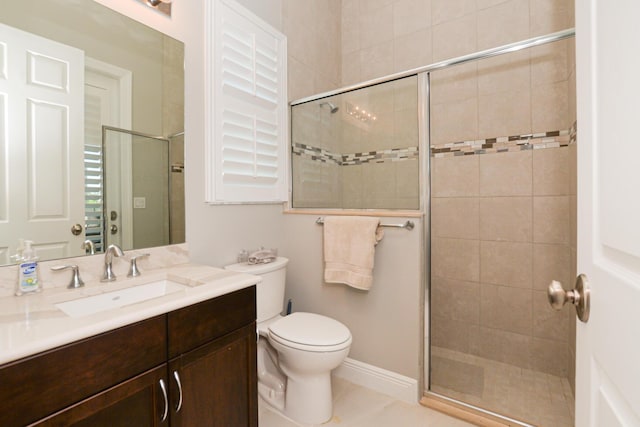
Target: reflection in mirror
pixel 68 68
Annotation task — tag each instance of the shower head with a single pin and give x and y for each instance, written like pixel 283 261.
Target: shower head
pixel 332 107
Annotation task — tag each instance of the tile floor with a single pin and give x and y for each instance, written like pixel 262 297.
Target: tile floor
pixel 356 406
pixel 523 394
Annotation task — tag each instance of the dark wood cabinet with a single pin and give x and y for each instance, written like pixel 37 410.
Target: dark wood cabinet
pixel 136 402
pixel 203 355
pixel 215 388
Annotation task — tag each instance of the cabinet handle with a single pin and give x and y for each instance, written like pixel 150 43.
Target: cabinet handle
pixel 166 401
pixel 177 377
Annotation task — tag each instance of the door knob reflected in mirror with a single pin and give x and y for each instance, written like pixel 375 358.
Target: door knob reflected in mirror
pixel 113 229
pixel 76 229
pixel 579 297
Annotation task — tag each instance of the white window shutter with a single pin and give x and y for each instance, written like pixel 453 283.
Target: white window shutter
pixel 248 136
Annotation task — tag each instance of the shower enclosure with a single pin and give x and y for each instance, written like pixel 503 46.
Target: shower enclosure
pixel 484 146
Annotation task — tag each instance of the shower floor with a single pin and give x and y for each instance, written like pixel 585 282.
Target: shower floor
pixel 533 397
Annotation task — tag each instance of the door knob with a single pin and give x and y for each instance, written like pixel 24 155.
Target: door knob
pixel 113 229
pixel 580 297
pixel 76 229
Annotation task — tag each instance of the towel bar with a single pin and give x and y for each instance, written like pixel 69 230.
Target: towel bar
pixel 407 225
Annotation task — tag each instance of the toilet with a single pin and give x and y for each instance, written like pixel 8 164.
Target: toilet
pixel 296 353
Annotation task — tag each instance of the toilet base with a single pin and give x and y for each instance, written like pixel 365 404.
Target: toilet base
pixel 309 398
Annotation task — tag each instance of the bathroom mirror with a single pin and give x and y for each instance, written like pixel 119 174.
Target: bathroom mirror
pixel 69 69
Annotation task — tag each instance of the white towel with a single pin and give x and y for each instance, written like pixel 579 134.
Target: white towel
pixel 349 249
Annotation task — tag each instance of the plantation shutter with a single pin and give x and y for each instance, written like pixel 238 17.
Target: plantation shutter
pixel 247 151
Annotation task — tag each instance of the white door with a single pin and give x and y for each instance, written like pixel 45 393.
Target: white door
pixel 41 133
pixel 108 102
pixel 608 346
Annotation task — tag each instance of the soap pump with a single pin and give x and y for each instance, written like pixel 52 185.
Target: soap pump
pixel 28 280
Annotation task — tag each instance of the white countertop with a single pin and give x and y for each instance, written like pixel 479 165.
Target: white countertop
pixel 31 324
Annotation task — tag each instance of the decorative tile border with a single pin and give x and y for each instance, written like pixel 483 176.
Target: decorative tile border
pixel 351 159
pixel 535 141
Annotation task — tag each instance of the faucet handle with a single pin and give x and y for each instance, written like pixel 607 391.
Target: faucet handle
pixel 76 281
pixel 134 271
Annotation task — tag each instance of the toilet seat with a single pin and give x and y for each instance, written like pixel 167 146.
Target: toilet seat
pixel 310 332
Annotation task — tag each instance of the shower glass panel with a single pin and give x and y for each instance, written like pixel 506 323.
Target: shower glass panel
pixel 503 214
pixel 137 189
pixel 357 149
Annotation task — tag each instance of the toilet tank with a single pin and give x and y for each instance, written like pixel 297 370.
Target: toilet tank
pixel 269 292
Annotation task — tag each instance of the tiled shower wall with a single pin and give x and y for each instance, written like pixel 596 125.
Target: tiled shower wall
pixel 500 234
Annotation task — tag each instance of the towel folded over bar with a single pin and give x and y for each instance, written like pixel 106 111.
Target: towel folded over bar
pixel 349 249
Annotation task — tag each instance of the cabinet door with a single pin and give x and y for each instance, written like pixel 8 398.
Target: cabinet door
pixel 218 383
pixel 138 402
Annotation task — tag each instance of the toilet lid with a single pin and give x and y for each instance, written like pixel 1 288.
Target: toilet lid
pixel 310 329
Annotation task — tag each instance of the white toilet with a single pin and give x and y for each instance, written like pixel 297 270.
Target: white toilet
pixel 296 353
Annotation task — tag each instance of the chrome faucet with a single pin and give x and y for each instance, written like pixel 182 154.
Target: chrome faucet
pixel 112 250
pixel 89 246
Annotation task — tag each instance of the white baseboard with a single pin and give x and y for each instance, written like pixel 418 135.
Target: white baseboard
pixel 378 379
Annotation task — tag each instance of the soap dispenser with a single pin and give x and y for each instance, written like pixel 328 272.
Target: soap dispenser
pixel 28 280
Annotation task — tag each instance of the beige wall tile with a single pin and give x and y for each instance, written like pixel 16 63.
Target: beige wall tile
pixel 551 219
pixel 548 16
pixel 573 169
pixel 551 172
pixel 351 68
pixel 549 323
pixel 506 263
pixel 455 259
pixel 573 222
pixel 504 346
pixel 504 114
pixel 374 4
pixel 350 26
pixel 448 10
pixel 412 50
pixel 454 84
pixel 505 73
pixel 455 300
pixel 503 23
pixel 456 217
pixel 408 181
pixel 455 176
pixel 549 63
pixel 551 262
pixel 506 174
pixel 376 25
pixel 549 356
pixel 446 120
pixel 376 61
pixel 505 308
pixel 454 38
pixel 352 186
pixel 550 107
pixel 299 84
pixel 410 16
pixel 405 93
pixel 506 218
pixel 379 180
pixel 452 334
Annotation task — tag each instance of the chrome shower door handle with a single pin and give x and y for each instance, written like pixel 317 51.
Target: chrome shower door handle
pixel 580 297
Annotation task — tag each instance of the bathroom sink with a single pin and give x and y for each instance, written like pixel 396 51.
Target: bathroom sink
pixel 116 299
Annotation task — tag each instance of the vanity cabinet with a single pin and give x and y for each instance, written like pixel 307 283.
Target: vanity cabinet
pixel 204 356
